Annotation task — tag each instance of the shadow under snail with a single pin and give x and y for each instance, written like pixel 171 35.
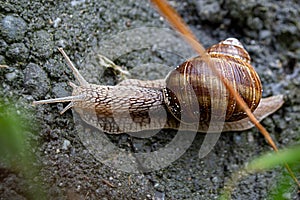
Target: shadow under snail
pixel 189 97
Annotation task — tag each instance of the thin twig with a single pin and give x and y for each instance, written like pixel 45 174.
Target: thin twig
pixel 108 183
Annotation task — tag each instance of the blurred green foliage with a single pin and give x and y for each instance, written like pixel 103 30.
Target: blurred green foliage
pixel 270 160
pixel 12 138
pixel 16 148
pixel 285 185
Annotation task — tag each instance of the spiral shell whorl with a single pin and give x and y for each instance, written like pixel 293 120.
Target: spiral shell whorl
pixel 194 91
pixel 231 47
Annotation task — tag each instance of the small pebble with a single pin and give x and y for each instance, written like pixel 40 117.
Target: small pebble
pixel 36 80
pixel 13 28
pixel 2 60
pixel 56 22
pixel 210 11
pixel 10 76
pixel 59 90
pixel 255 23
pixel 237 139
pixel 42 43
pixel 215 179
pixel 66 144
pixel 77 2
pixel 17 52
pixel 3 46
pixel 264 34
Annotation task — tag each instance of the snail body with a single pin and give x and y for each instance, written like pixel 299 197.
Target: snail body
pixel 134 105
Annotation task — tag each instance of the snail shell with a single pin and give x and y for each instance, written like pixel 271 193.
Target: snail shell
pixel 194 91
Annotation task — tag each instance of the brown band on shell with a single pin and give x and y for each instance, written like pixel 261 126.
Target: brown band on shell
pixel 210 93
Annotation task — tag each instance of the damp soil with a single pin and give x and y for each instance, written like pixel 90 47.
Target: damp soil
pixel 31 32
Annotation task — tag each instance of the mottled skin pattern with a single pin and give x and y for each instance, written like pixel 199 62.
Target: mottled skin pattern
pixel 121 108
pixel 134 105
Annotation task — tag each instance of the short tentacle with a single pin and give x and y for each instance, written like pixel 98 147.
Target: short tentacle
pixel 70 105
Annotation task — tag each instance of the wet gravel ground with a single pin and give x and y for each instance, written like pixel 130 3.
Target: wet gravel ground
pixel 30 33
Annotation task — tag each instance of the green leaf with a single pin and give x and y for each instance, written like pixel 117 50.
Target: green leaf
pixel 264 162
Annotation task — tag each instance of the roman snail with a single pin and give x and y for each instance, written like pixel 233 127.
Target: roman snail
pixel 185 98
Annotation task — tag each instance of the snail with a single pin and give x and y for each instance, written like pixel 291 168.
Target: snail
pixel 185 98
